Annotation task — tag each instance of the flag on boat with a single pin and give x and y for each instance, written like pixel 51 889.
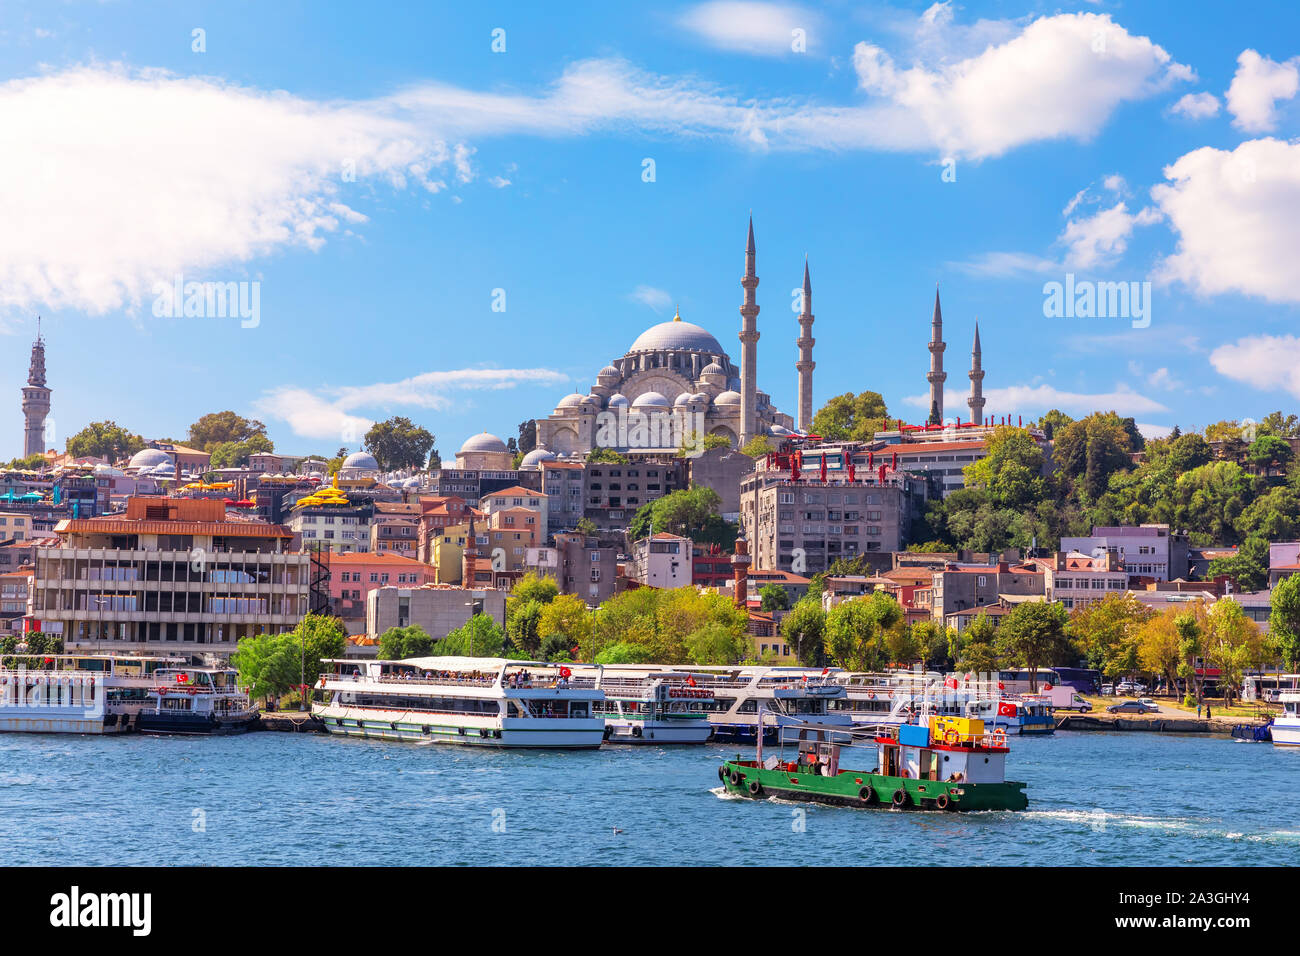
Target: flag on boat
pixel 1006 709
pixel 182 678
pixel 565 673
pixel 825 671
pixel 951 682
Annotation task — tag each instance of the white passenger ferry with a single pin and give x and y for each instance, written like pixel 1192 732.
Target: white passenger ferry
pixel 196 700
pixel 476 701
pixel 75 693
pixel 788 695
pixel 650 705
pixel 1286 726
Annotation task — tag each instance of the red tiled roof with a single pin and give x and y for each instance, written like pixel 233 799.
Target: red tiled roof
pixel 515 491
pixel 226 529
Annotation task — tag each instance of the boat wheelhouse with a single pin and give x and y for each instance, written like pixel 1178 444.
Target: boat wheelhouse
pixel 1016 714
pixel 951 763
pixel 196 700
pixel 651 705
pixel 474 701
pixel 786 695
pixel 75 693
pixel 1286 726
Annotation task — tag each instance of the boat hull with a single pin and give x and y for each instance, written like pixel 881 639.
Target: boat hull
pixel 199 724
pixel 847 790
pixel 656 732
pixel 510 732
pixel 1285 733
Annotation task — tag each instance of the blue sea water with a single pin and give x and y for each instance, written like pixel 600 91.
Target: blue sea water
pixel 1096 799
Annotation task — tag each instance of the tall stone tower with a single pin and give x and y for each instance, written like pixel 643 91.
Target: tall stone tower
pixel 740 570
pixel 805 365
pixel 469 557
pixel 976 400
pixel 937 374
pixel 749 343
pixel 36 399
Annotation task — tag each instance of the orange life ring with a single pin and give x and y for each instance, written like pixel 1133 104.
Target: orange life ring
pixel 950 737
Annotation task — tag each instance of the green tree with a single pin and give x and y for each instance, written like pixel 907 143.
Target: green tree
pixel 1190 647
pixel 31 463
pixel 607 456
pixel 217 427
pixel 567 614
pixel 523 628
pixel 1284 619
pixel 715 643
pixel 1232 642
pixel 272 664
pixel 235 454
pixel 850 417
pixel 399 643
pixel 804 629
pixel 1267 450
pixel 1033 634
pixel 857 630
pixel 773 598
pixel 399 443
pixel 527 436
pixel 758 446
pixel 1281 425
pixel 624 653
pixel 1091 449
pixel 1248 567
pixel 104 440
pixel 480 636
pixel 1105 633
pixel 977 646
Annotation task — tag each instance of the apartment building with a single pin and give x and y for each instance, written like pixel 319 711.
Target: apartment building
pixel 802 519
pixel 437 609
pixel 472 484
pixel 662 561
pixel 170 575
pixel 438 513
pixel 353 576
pixel 336 528
pixel 517 497
pixel 565 484
pixel 395 528
pixel 1077 580
pixel 580 565
pixel 15 526
pixel 1149 551
pixel 614 492
pixel 957 589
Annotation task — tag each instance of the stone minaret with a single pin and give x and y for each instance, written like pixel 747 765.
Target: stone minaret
pixel 976 400
pixel 937 374
pixel 805 365
pixel 36 399
pixel 749 343
pixel 469 568
pixel 740 570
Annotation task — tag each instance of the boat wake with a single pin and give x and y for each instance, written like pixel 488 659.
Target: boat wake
pixel 1101 819
pixel 722 794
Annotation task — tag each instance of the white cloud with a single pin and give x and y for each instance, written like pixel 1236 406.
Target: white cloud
pixel 1237 216
pixel 1196 106
pixel 1061 77
pixel 1003 265
pixel 329 412
pixel 1257 86
pixel 1163 378
pixel 750 27
pixel 121 179
pixel 1103 237
pixel 1270 362
pixel 647 295
pixel 1149 431
pixel 1030 400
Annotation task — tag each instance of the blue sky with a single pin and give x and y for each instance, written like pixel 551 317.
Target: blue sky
pixel 1150 142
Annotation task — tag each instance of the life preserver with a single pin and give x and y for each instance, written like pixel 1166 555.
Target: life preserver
pixel 1000 738
pixel 951 738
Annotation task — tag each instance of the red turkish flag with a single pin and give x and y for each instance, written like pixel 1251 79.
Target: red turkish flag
pixel 1006 709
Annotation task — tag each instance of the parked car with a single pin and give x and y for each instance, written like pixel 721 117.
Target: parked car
pixel 1131 688
pixel 1143 706
pixel 1107 690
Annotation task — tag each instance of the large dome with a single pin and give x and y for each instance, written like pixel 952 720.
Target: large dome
pixel 483 442
pixel 149 458
pixel 676 336
pixel 360 461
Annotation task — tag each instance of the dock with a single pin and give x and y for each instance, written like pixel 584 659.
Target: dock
pixel 1150 723
pixel 291 722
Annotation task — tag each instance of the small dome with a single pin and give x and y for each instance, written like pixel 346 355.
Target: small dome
pixel 485 441
pixel 713 368
pixel 592 399
pixel 701 398
pixel 360 461
pixel 780 430
pixel 535 458
pixel 650 400
pixel 618 400
pixel 608 372
pixel 149 458
pixel 727 398
pixel 682 399
pixel 568 401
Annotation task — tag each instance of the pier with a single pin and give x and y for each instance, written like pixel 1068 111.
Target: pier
pixel 1150 723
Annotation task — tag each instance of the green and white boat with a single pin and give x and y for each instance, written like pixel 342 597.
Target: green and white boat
pixel 951 763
